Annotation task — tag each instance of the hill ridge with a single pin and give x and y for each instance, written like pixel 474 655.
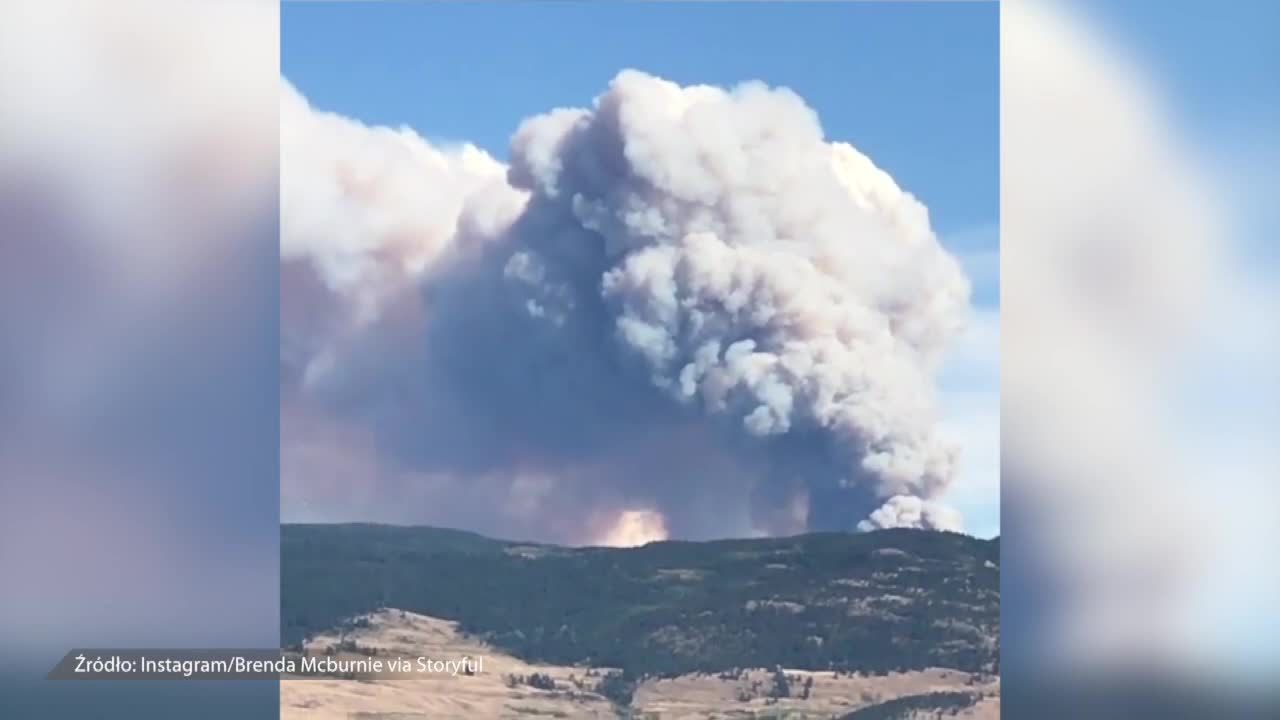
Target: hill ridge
pixel 887 600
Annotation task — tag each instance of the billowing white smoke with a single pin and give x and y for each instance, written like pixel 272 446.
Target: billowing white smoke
pixel 909 511
pixel 774 292
pixel 372 208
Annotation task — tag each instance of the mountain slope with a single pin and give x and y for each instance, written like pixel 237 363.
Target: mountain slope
pixel 507 687
pixel 871 602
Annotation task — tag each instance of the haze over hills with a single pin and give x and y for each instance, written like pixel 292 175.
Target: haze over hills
pixel 890 600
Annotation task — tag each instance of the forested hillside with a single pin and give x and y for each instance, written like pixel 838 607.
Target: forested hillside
pixel 873 602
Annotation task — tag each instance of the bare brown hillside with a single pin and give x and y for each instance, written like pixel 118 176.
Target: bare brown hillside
pixel 502 688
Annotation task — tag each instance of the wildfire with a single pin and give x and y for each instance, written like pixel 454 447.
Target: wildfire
pixel 634 528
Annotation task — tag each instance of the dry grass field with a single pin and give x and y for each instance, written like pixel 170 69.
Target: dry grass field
pixel 490 693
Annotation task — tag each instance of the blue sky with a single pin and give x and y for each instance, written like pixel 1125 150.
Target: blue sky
pixel 1217 71
pixel 913 85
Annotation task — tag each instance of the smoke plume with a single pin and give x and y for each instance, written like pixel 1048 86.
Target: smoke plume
pixel 682 301
pixel 911 511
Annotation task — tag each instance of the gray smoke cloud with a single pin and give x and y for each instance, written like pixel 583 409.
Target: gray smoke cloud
pixel 682 300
